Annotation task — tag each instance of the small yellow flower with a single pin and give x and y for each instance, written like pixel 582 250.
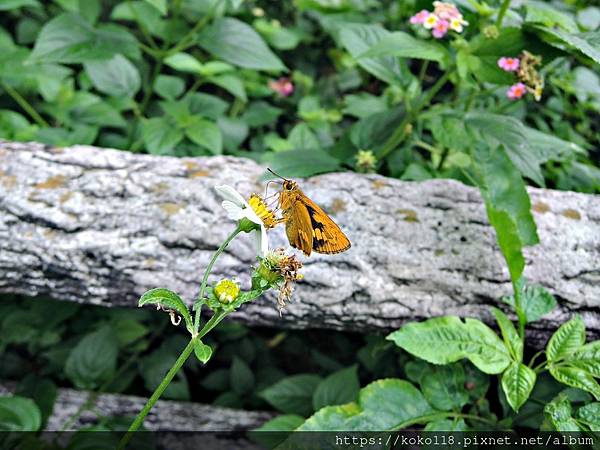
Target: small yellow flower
pixel 366 161
pixel 227 291
pixel 262 211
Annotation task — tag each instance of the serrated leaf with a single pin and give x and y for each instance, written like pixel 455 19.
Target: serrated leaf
pixel 160 135
pixel 511 338
pixel 19 414
pixel 517 383
pixel 168 300
pixel 575 377
pixel 338 388
pixel 292 395
pixel 301 163
pixel 590 415
pixel 444 340
pixel 232 84
pixel 587 43
pixel 569 338
pixel 169 87
pixel 403 45
pixel 238 43
pixel 117 76
pixel 202 351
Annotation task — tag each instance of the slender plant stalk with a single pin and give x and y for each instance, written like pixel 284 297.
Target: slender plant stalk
pixel 25 105
pixel 207 273
pixel 519 310
pixel 137 423
pixel 502 12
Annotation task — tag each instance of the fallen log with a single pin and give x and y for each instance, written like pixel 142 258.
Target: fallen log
pixel 217 427
pixel 102 226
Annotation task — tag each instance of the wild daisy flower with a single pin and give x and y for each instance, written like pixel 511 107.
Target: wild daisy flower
pixel 281 270
pixel 253 215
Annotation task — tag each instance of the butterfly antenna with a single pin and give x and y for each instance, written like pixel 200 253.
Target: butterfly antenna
pixel 267 187
pixel 277 175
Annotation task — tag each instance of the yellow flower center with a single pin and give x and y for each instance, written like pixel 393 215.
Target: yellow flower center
pixel 262 211
pixel 227 291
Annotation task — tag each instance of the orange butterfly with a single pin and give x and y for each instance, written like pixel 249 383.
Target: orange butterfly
pixel 307 226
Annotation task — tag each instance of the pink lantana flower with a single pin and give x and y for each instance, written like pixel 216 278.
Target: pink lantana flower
pixel 516 91
pixel 446 11
pixel 440 29
pixel 509 64
pixel 430 21
pixel 420 17
pixel 282 86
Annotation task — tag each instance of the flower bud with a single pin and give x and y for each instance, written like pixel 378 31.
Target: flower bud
pixel 226 291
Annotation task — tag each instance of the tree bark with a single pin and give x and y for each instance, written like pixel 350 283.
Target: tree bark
pixel 102 226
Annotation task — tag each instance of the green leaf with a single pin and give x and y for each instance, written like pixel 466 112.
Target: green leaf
pixel 587 43
pixel 42 391
pixel 518 382
pixel 117 76
pixel 184 62
pixel 511 338
pixel 19 414
pixel 128 331
pixel 160 5
pixel 206 134
pixel 547 15
pixel 169 87
pixel 261 113
pixel 302 138
pixel 359 38
pixel 507 204
pixel 590 415
pixel 7 5
pixel 241 378
pixel 206 105
pixel 292 395
pixel 588 358
pixel 93 360
pixel 338 388
pixel 444 387
pixel 569 338
pixel 202 351
pixel 444 340
pixel 578 378
pixel 271 433
pixel 405 46
pixel 138 11
pixel 232 84
pixel 168 300
pixel 382 405
pixel 535 300
pixel 154 366
pixel 558 412
pixel 301 163
pixel 160 136
pixel 237 43
pixel 68 38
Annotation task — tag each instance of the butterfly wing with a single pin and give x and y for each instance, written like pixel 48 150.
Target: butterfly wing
pixel 298 228
pixel 327 237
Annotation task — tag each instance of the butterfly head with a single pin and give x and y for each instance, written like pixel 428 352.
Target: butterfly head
pixel 289 185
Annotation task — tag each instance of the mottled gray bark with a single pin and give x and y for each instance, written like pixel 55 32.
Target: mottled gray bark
pixel 165 416
pixel 102 226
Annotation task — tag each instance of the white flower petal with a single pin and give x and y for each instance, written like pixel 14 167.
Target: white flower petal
pixel 229 193
pixel 251 216
pixel 264 242
pixel 234 212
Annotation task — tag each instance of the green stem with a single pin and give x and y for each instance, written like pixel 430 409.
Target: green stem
pixel 402 130
pixel 536 356
pixel 520 313
pixel 502 12
pixel 25 105
pixel 423 70
pixel 137 423
pixel 143 28
pixel 183 43
pixel 207 273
